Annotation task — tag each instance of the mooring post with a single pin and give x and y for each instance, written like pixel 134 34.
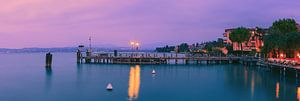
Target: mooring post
pixel 115 53
pixel 176 60
pixel 79 55
pixel 186 61
pixel 48 60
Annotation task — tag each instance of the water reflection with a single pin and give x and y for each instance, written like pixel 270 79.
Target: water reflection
pixel 48 78
pixel 277 90
pixel 298 93
pixel 245 77
pixel 252 84
pixel 134 82
pixel 153 76
pixel 274 84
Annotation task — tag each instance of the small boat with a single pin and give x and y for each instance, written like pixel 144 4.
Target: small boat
pixel 153 71
pixel 109 87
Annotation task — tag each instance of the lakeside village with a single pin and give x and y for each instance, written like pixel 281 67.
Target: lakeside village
pixel 279 43
pixel 276 46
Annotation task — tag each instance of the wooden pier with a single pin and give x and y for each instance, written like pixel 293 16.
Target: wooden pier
pixel 151 58
pixel 173 58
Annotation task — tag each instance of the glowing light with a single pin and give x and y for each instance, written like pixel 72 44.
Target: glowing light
pixel 137 44
pixel 298 55
pixel 132 43
pixel 134 82
pixel 277 90
pixel 298 93
pixel 281 55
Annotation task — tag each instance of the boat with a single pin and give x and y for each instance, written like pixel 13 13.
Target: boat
pixel 153 71
pixel 109 87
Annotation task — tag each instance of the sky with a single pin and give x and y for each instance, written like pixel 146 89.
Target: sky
pixel 113 23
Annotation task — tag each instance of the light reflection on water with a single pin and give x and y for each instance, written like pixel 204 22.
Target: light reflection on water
pixel 134 82
pixel 277 90
pixel 252 84
pixel 66 81
pixel 298 93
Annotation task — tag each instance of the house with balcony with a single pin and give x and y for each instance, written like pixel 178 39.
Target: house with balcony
pixel 254 43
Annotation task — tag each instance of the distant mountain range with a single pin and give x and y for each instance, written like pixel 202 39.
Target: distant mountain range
pixel 63 49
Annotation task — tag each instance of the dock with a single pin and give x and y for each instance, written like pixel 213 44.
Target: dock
pixel 176 58
pixel 152 58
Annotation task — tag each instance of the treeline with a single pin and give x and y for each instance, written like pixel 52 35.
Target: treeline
pixel 283 37
pixel 184 47
pixel 212 48
pixel 165 49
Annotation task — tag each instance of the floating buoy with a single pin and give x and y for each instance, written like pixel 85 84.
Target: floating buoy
pixel 109 87
pixel 153 71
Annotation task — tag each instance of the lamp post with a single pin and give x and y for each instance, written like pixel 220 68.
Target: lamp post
pixel 137 45
pixel 134 46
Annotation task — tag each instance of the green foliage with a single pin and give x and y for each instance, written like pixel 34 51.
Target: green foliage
pixel 284 26
pixel 240 35
pixel 184 47
pixel 282 36
pixel 260 30
pixel 213 44
pixel 293 40
pixel 165 49
pixel 213 47
pixel 229 48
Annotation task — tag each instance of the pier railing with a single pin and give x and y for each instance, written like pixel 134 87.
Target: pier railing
pixel 153 58
pixel 174 58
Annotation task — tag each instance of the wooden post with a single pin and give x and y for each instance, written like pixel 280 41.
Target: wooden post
pixel 48 60
pixel 176 60
pixel 186 61
pixel 115 53
pixel 79 55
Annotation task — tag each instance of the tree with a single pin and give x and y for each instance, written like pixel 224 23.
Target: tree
pixel 165 49
pixel 293 43
pixel 284 26
pixel 184 47
pixel 240 35
pixel 279 36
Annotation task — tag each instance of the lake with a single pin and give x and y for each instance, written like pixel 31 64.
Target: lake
pixel 23 77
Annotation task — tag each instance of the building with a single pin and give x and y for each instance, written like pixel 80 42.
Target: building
pixel 196 48
pixel 255 42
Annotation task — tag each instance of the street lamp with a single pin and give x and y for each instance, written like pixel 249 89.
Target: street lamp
pixel 137 45
pixel 132 44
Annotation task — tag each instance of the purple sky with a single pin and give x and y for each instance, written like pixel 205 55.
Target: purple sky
pixel 64 23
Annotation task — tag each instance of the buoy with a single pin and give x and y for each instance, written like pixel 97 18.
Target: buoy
pixel 109 86
pixel 153 71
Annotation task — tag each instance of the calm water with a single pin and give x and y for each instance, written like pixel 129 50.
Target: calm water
pixel 24 78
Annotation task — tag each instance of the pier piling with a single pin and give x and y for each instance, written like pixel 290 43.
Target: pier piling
pixel 48 60
pixel 79 56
